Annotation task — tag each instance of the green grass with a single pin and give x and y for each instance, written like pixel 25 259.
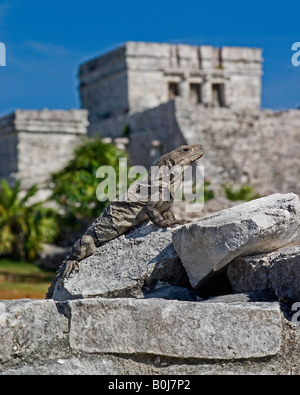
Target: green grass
pixel 20 280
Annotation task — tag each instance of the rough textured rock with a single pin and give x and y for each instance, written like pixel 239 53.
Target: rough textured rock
pixel 35 337
pixel 30 327
pixel 176 329
pixel 262 225
pixel 124 266
pixel 277 271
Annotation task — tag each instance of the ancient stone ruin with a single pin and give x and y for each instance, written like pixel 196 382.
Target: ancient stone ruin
pixel 156 97
pixel 216 296
pixel 33 144
pixel 162 96
pixel 140 75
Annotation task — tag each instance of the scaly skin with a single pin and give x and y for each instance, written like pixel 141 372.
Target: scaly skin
pixel 124 214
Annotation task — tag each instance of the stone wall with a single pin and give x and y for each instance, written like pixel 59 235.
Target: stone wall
pixel 138 75
pixel 258 147
pixel 130 336
pixel 33 144
pixel 8 148
pixel 103 85
pixel 157 123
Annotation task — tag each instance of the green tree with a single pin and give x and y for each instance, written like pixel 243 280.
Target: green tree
pixel 24 226
pixel 74 187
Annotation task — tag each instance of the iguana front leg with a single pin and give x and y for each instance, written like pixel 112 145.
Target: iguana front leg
pixel 169 215
pixel 165 220
pixel 83 248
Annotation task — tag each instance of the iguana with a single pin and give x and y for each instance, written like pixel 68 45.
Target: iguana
pixel 138 205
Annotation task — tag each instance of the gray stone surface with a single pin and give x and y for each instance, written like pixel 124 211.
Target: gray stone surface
pixel 262 225
pixel 97 364
pixel 122 267
pixel 278 271
pixel 44 338
pixel 176 329
pixel 136 76
pixel 34 144
pixel 29 328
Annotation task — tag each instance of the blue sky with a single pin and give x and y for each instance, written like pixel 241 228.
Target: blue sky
pixel 46 41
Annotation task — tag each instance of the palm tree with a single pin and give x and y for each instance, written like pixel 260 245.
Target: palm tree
pixel 24 226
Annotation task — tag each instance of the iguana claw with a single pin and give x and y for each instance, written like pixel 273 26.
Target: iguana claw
pixel 182 222
pixel 70 266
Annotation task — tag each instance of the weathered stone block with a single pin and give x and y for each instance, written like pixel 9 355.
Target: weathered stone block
pixel 30 327
pixel 277 271
pixel 262 225
pixel 123 266
pixel 176 329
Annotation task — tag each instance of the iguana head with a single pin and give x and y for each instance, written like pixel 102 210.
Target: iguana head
pixel 182 156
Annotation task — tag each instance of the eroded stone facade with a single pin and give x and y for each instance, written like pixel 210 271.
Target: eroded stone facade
pixel 139 76
pixel 33 144
pixel 180 94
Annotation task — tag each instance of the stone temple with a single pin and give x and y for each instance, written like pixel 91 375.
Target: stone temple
pixel 139 76
pixel 153 97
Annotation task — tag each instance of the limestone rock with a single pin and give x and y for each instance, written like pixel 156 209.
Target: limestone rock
pixel 30 327
pixel 175 329
pixel 122 267
pixel 262 225
pixel 277 271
